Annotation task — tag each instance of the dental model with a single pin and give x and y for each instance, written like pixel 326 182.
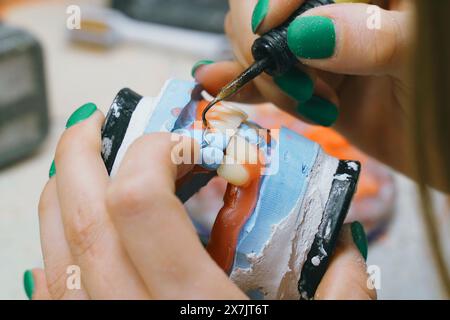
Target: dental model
pixel 230 134
pixel 285 202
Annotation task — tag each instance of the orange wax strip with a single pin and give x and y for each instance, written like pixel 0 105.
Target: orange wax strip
pixel 200 107
pixel 239 203
pixel 336 145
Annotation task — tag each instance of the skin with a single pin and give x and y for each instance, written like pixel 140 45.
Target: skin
pixel 116 230
pixel 366 77
pixel 118 225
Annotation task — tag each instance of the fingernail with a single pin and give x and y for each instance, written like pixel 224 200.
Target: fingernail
pixel 296 84
pixel 319 110
pixel 198 65
pixel 28 283
pixel 52 170
pixel 82 113
pixel 312 37
pixel 259 13
pixel 360 238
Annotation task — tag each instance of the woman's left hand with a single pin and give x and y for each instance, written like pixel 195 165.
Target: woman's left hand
pixel 130 237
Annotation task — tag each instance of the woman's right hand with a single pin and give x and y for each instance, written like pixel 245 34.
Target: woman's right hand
pixel 346 68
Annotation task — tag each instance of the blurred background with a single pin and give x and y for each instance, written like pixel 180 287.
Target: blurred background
pixel 48 68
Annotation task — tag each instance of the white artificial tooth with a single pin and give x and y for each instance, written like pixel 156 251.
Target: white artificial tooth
pixel 217 140
pixel 234 173
pixel 236 110
pixel 222 109
pixel 212 158
pixel 242 151
pixel 234 121
pixel 224 128
pixel 250 134
pixel 218 125
pixel 214 114
pixel 223 117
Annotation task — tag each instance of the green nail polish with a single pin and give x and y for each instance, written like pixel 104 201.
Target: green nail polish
pixel 199 64
pixel 296 84
pixel 259 13
pixel 312 37
pixel 28 283
pixel 81 114
pixel 52 171
pixel 360 238
pixel 319 111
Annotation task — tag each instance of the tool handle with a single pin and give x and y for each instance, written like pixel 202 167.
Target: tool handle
pixel 274 44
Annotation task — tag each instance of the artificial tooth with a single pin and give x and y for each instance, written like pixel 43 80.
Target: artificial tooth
pixel 250 134
pixel 233 172
pixel 242 151
pixel 217 140
pixel 212 158
pixel 223 117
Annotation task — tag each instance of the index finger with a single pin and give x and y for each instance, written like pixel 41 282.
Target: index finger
pixel 156 230
pixel 82 181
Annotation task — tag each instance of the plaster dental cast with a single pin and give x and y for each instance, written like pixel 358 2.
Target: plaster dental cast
pixel 281 256
pixel 133 230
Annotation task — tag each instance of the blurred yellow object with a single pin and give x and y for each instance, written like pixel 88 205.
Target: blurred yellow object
pixel 6 5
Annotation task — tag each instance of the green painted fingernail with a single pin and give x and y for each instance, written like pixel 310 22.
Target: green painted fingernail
pixel 296 84
pixel 81 114
pixel 360 238
pixel 52 171
pixel 312 37
pixel 28 283
pixel 259 13
pixel 199 64
pixel 319 111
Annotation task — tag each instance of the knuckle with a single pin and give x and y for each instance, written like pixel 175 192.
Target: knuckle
pixel 386 40
pixel 83 229
pixel 163 141
pixel 127 197
pixel 57 285
pixel 142 142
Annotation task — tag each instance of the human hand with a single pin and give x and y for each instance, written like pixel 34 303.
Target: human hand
pixel 130 235
pixel 359 71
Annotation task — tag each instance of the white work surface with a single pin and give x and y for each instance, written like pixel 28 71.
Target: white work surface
pixel 76 76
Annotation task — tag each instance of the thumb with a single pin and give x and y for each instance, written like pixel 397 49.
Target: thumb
pixel 346 277
pixel 355 39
